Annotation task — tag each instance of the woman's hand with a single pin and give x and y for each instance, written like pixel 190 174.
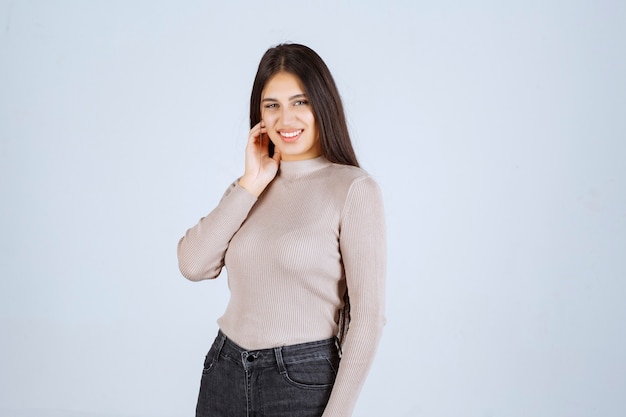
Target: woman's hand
pixel 260 168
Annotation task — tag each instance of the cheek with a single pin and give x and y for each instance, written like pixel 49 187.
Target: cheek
pixel 314 127
pixel 268 117
pixel 273 135
pixel 311 120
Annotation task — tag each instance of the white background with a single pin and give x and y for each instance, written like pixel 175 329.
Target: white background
pixel 496 130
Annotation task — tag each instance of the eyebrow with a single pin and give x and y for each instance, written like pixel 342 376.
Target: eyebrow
pixel 290 98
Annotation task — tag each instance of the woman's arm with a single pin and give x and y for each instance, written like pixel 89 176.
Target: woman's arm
pixel 201 250
pixel 363 252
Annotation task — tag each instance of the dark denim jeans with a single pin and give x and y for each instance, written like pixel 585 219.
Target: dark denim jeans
pixel 288 381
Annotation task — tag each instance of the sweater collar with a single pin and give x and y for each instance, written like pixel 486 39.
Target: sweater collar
pixel 306 166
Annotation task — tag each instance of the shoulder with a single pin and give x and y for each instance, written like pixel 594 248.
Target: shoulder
pixel 352 177
pixel 348 182
pixel 348 174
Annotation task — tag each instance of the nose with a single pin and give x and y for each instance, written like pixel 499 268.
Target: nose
pixel 288 115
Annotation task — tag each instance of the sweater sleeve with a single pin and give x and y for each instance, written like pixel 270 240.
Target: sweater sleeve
pixel 201 250
pixel 363 252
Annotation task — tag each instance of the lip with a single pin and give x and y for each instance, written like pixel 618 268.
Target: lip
pixel 289 138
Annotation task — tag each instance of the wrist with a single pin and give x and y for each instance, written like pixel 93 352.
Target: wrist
pixel 251 185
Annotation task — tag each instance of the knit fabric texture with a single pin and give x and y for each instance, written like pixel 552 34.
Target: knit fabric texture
pixel 317 229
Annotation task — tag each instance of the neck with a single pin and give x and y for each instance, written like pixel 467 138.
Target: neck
pixel 305 166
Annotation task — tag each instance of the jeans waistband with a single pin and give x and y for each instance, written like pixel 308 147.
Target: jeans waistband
pixel 280 355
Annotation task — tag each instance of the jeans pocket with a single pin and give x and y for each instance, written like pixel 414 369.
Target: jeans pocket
pixel 211 357
pixel 317 373
pixel 209 362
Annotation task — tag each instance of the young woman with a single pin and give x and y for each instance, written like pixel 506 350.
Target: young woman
pixel 301 230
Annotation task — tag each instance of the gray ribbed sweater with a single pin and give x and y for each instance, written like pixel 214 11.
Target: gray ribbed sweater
pixel 317 228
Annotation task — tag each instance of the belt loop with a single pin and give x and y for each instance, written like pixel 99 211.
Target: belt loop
pixel 278 352
pixel 220 344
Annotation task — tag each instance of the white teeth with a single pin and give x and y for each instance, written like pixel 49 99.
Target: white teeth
pixel 291 135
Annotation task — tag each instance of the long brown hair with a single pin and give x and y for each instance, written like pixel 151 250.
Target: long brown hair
pixel 320 90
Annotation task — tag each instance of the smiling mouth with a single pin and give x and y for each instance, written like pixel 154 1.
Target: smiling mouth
pixel 290 136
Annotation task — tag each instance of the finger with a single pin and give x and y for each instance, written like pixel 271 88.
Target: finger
pixel 276 156
pixel 265 145
pixel 255 137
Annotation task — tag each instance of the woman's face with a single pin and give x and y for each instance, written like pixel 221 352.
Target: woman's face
pixel 288 118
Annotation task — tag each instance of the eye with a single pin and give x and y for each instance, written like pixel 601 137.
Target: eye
pixel 301 103
pixel 271 106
